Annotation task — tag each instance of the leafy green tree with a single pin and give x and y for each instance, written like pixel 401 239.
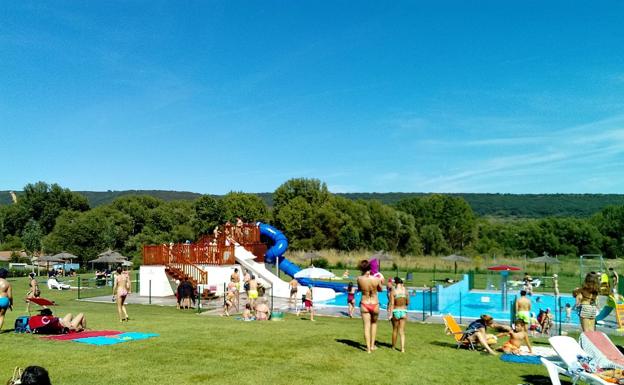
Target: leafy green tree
pixel 137 207
pixel 12 242
pixel 31 236
pixel 312 191
pixel 433 241
pixel 44 203
pixel 248 207
pixel 209 212
pixel 348 237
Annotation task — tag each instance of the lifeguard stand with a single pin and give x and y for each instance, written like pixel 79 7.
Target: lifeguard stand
pixel 591 262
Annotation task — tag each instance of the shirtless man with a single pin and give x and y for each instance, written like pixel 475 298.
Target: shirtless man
pixel 33 291
pixel 523 308
pixel 6 295
pixel 252 294
pixel 369 304
pixel 293 290
pixel 246 279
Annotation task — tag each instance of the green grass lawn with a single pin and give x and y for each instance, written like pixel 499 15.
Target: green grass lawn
pixel 195 349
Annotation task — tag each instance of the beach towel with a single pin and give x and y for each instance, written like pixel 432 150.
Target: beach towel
pixel 84 334
pixel 115 339
pixel 534 360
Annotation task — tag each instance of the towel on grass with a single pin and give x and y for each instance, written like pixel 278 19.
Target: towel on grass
pixel 84 334
pixel 115 339
pixel 535 360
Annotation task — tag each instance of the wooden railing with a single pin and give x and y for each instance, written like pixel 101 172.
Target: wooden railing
pixel 207 250
pixel 194 272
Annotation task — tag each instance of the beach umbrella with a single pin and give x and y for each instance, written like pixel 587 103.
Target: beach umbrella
pixel 504 270
pixel 65 256
pixel 546 260
pixel 311 255
pixel 456 258
pixel 47 259
pixel 109 257
pixel 315 273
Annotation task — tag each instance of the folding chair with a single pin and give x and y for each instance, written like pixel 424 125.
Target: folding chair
pixel 453 328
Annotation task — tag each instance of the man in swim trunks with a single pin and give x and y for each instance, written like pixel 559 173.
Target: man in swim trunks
pixel 252 294
pixel 6 295
pixel 293 290
pixel 308 303
pixel 523 308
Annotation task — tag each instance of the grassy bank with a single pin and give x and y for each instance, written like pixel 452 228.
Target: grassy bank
pixel 195 349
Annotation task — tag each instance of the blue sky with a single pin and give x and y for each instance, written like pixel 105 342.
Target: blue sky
pixel 509 97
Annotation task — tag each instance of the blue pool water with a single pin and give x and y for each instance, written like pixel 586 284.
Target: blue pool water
pixel 417 300
pixel 472 304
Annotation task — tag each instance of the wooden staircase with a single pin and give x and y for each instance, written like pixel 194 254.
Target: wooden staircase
pixel 194 273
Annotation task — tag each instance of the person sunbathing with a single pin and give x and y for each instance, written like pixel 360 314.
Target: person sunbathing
pixel 46 323
pixel 516 338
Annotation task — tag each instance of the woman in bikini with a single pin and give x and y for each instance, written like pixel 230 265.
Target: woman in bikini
pixel 351 299
pixel 121 289
pixel 398 302
pixel 586 301
pixel 369 304
pixel 33 292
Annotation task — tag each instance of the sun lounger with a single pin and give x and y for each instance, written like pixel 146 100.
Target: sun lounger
pixel 453 328
pixel 54 284
pixel 599 346
pixel 572 354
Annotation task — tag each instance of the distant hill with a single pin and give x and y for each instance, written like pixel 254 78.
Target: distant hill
pixel 498 205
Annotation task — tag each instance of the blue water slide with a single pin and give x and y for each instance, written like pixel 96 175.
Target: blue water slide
pixel 280 244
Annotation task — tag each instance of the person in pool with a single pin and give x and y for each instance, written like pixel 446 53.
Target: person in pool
pixel 351 299
pixel 6 295
pixel 369 304
pixel 399 300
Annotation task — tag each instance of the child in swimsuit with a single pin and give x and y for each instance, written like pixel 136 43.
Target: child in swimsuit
pixel 398 302
pixel 516 338
pixel 351 299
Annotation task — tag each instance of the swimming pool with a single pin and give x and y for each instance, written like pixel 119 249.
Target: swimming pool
pixel 419 300
pixel 471 305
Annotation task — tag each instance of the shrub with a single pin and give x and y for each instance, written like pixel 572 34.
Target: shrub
pixel 320 262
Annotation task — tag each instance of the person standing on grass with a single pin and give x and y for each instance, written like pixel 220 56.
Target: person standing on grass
pixel 586 301
pixel 33 290
pixel 252 294
pixel 121 289
pixel 555 278
pixel 351 299
pixel 369 304
pixel 294 284
pixel 399 302
pixel 389 289
pixel 308 302
pixel 6 295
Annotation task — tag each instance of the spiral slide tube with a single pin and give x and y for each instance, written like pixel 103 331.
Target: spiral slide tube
pixel 280 244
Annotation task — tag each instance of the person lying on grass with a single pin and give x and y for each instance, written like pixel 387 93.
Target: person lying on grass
pixel 516 338
pixel 46 323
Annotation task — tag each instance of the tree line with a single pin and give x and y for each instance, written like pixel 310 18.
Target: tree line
pixel 49 219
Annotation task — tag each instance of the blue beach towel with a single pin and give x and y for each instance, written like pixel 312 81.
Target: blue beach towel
pixel 116 339
pixel 534 360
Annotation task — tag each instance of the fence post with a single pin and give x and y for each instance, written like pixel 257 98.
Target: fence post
pixel 78 287
pixel 150 292
pixel 430 301
pixel 137 277
pixel 558 303
pixel 460 309
pixel 423 307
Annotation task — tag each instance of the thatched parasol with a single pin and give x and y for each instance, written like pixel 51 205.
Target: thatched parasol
pixel 546 260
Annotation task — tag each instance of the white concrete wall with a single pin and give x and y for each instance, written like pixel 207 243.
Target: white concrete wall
pixel 219 275
pixel 160 286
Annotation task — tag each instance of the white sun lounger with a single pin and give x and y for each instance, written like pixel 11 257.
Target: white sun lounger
pixel 569 350
pixel 54 284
